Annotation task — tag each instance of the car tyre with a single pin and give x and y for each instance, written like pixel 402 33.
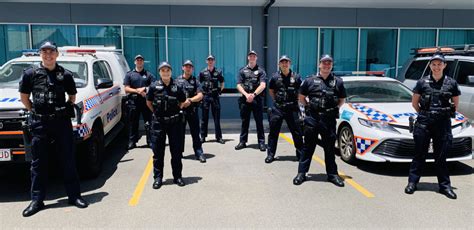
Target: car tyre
pixel 347 145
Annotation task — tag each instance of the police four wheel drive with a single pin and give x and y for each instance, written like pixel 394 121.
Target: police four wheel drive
pixel 98 74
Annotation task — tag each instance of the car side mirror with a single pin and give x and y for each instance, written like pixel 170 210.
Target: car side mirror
pixel 103 83
pixel 470 80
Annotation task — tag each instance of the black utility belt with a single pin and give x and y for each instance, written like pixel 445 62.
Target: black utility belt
pixel 438 111
pixel 169 119
pixel 49 117
pixel 285 104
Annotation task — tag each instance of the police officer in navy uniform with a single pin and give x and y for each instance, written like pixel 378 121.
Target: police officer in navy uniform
pixel 136 81
pixel 283 88
pixel 50 121
pixel 251 83
pixel 212 83
pixel 193 91
pixel 164 99
pixel 435 98
pixel 326 93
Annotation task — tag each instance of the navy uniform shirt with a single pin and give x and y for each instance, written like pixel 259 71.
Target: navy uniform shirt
pixel 137 80
pixel 172 89
pixel 191 86
pixel 452 85
pixel 254 76
pixel 214 77
pixel 292 82
pixel 31 82
pixel 310 85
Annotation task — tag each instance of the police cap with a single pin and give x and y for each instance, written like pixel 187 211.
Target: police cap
pixel 284 58
pixel 139 56
pixel 48 45
pixel 188 62
pixel 210 57
pixel 164 64
pixel 252 52
pixel 438 57
pixel 326 57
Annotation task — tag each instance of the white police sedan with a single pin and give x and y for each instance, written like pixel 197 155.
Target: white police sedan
pixel 374 123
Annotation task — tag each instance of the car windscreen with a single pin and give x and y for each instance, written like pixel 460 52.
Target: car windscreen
pixel 420 68
pixel 376 91
pixel 10 73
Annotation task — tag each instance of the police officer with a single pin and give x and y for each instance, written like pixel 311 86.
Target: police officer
pixel 435 98
pixel 212 83
pixel 326 93
pixel 283 88
pixel 136 81
pixel 50 121
pixel 251 83
pixel 164 99
pixel 193 91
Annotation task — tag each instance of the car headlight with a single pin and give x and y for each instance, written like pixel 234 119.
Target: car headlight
pixel 380 125
pixel 466 124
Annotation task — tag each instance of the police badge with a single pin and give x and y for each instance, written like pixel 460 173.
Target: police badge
pixel 174 88
pixel 192 81
pixel 215 74
pixel 332 83
pixel 292 80
pixel 255 72
pixel 59 76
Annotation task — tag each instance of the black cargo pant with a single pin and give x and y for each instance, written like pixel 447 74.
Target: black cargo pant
pixel 276 117
pixel 440 132
pixel 256 107
pixel 43 133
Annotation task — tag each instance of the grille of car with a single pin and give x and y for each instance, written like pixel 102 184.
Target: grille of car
pixel 10 124
pixel 405 148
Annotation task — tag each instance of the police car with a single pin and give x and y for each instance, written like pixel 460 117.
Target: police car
pixel 98 73
pixel 459 65
pixel 373 124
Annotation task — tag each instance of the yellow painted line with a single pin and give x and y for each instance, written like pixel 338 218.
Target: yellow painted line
pixel 141 184
pixel 347 179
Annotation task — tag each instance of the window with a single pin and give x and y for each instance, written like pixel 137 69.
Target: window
pixel 463 70
pixel 230 47
pixel 414 38
pixel 188 43
pixel 378 50
pixel 100 71
pixel 301 45
pixel 13 39
pixel 100 35
pixel 455 37
pixel 145 40
pixel 341 44
pixel 62 35
pixel 420 68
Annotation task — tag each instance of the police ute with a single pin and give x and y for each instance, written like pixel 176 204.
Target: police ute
pixel 98 74
pixel 374 123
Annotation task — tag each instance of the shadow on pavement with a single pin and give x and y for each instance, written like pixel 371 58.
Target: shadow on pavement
pixel 401 169
pixel 187 180
pixel 16 177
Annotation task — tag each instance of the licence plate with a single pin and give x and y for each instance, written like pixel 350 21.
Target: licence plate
pixel 5 155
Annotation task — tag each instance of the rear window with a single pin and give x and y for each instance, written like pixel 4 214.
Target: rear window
pixel 420 68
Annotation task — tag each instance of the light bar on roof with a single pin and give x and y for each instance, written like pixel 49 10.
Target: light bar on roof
pixel 81 51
